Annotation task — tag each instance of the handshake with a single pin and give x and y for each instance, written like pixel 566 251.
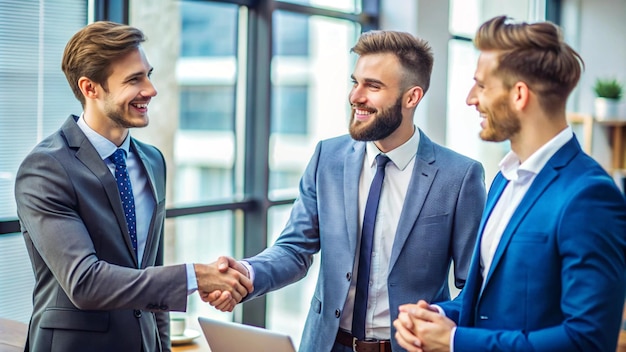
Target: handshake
pixel 224 283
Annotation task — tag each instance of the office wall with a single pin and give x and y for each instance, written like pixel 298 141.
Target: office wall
pixel 600 29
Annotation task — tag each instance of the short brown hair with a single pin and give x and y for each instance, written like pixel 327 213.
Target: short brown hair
pixel 90 52
pixel 415 54
pixel 535 54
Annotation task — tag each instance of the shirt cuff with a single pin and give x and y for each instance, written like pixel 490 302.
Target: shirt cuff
pixel 452 332
pixel 250 270
pixel 192 283
pixel 439 309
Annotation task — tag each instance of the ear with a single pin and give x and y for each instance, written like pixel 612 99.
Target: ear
pixel 520 95
pixel 88 88
pixel 413 96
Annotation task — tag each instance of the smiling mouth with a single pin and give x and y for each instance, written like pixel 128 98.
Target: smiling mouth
pixel 140 106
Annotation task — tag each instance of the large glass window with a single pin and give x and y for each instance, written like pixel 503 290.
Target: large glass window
pixel 35 99
pixel 310 94
pixel 341 5
pixel 209 115
pixel 207 108
pixel 208 29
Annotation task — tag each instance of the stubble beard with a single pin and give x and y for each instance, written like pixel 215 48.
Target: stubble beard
pixel 502 121
pixel 117 115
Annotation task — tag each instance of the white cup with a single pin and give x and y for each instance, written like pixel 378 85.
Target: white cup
pixel 177 326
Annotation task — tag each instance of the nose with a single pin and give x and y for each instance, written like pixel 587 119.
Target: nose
pixel 356 95
pixel 149 90
pixel 471 96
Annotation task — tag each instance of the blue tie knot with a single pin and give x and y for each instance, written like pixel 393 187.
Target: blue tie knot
pixel 381 161
pixel 119 157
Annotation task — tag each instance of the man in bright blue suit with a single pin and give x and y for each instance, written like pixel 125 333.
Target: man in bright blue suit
pixel 548 271
pixel 428 213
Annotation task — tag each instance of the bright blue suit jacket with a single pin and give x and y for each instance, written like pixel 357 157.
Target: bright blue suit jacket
pixel 557 280
pixel 439 222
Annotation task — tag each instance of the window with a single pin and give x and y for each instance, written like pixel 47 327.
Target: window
pixel 465 18
pixel 35 99
pixel 289 107
pixel 208 29
pixel 207 108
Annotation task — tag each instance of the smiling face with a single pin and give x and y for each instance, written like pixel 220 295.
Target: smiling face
pixel 128 91
pixel 122 102
pixel 492 100
pixel 376 97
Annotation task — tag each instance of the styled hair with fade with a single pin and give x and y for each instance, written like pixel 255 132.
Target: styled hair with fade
pixel 415 54
pixel 92 50
pixel 535 54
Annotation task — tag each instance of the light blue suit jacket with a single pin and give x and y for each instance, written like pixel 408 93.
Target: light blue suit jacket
pixel 439 222
pixel 557 280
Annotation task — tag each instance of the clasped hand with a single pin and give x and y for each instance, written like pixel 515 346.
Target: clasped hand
pixel 223 283
pixel 421 328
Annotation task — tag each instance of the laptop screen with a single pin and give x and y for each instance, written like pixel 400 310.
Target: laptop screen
pixel 233 337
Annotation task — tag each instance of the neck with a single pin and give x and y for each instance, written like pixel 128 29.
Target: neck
pixel 105 126
pixel 535 133
pixel 403 133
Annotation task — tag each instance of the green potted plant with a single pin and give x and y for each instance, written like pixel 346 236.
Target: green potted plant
pixel 608 94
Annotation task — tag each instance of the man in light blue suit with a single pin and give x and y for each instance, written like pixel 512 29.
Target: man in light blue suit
pixel 548 271
pixel 428 215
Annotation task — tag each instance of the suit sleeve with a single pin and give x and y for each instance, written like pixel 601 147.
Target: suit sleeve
pixel 47 206
pixel 468 213
pixel 591 239
pixel 289 259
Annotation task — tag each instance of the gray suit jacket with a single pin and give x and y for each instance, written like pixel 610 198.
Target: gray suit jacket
pixel 90 294
pixel 439 222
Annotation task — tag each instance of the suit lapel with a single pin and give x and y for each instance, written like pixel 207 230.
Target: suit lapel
pixel 421 181
pixel 147 168
pixel 353 164
pixel 546 176
pixel 87 154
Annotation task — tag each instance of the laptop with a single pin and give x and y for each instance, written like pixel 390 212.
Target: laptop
pixel 233 337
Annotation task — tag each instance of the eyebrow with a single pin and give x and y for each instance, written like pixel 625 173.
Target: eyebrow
pixel 137 74
pixel 370 80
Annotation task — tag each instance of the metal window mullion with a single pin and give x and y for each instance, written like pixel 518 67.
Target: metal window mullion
pixel 256 165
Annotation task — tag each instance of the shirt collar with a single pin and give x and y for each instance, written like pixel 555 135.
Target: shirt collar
pixel 401 156
pixel 104 147
pixel 510 165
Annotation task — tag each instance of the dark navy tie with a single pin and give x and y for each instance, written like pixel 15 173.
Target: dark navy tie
pixel 365 256
pixel 126 193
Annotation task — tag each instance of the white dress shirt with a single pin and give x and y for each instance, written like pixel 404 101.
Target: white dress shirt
pixel 398 174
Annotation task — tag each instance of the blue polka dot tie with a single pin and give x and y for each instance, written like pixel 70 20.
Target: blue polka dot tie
pixel 126 193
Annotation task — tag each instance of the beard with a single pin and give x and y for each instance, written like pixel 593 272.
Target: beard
pixel 117 114
pixel 380 126
pixel 502 121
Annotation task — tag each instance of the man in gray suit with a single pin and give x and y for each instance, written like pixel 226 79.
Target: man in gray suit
pixel 96 250
pixel 428 213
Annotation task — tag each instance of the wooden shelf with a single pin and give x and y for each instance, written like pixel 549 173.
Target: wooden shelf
pixel 617 136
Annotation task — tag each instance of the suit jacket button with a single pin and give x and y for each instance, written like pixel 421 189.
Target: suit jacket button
pixel 337 313
pixel 348 276
pixel 137 313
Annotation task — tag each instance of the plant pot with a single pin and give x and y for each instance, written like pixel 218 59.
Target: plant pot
pixel 606 109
